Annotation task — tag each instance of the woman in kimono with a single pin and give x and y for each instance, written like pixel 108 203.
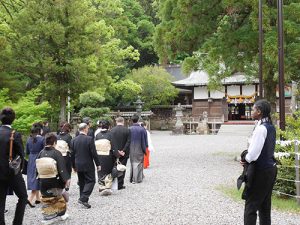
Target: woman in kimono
pixel 53 178
pixel 107 158
pixel 34 145
pixel 150 147
pixel 64 145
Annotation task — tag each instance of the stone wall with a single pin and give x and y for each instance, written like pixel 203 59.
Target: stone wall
pixel 163 118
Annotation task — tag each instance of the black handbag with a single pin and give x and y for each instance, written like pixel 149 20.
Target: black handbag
pixel 24 167
pixel 14 164
pixel 114 172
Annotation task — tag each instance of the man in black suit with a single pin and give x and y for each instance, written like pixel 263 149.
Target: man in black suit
pixel 90 132
pixel 83 157
pixel 121 141
pixel 7 178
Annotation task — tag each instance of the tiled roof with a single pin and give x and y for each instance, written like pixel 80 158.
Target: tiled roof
pixel 201 78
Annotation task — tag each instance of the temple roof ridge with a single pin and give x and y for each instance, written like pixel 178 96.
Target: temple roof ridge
pixel 201 78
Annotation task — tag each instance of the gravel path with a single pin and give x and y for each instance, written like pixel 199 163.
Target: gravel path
pixel 182 186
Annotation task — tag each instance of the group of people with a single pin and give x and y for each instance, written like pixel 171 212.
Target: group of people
pixel 107 151
pixel 51 158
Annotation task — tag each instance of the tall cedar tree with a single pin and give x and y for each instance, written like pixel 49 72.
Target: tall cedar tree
pixel 66 46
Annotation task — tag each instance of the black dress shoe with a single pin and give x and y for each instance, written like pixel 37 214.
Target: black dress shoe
pixel 120 188
pixel 29 203
pixel 85 204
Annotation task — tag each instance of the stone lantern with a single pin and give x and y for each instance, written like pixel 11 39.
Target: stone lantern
pixel 75 121
pixel 139 107
pixel 179 127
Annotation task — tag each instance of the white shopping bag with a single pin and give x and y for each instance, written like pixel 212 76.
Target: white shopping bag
pixel 114 186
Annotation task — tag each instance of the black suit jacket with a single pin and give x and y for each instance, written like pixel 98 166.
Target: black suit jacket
pixel 120 139
pixel 84 153
pixel 5 133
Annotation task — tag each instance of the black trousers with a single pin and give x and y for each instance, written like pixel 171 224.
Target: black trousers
pixel 17 184
pixel 123 160
pixel 259 197
pixel 86 182
pixel 68 163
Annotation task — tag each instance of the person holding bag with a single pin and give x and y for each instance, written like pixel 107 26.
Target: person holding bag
pixel 11 147
pixel 107 158
pixel 120 140
pixel 260 156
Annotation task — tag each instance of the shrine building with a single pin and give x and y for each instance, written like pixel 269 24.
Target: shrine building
pixel 234 101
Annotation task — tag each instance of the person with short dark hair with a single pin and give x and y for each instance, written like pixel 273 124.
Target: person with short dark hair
pixel 84 156
pixel 53 178
pixel 261 155
pixel 45 128
pixel 99 127
pixel 120 136
pixel 7 179
pixel 34 145
pixel 138 144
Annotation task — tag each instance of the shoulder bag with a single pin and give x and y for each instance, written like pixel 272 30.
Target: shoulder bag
pixel 14 164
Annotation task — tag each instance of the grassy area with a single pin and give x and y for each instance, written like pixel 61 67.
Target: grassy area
pixel 281 204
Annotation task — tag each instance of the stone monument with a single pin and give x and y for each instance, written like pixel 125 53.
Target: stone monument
pixel 179 127
pixel 203 126
pixel 139 107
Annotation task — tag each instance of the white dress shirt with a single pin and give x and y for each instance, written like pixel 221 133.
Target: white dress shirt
pixel 257 142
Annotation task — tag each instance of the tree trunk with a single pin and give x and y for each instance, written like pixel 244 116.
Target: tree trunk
pixel 63 107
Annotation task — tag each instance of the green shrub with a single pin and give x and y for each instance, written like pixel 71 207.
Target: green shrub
pixel 92 99
pixel 286 170
pixel 28 109
pixel 95 113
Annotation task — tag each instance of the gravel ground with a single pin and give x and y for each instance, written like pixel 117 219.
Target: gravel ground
pixel 182 186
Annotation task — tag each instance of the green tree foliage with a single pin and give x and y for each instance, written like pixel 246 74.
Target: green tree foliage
pixel 92 103
pixel 15 82
pixel 122 93
pixel 185 25
pixel 292 131
pixel 150 8
pixel 28 109
pixel 94 113
pixel 134 28
pixel 4 99
pixel 66 47
pixel 230 41
pixel 92 99
pixel 156 85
